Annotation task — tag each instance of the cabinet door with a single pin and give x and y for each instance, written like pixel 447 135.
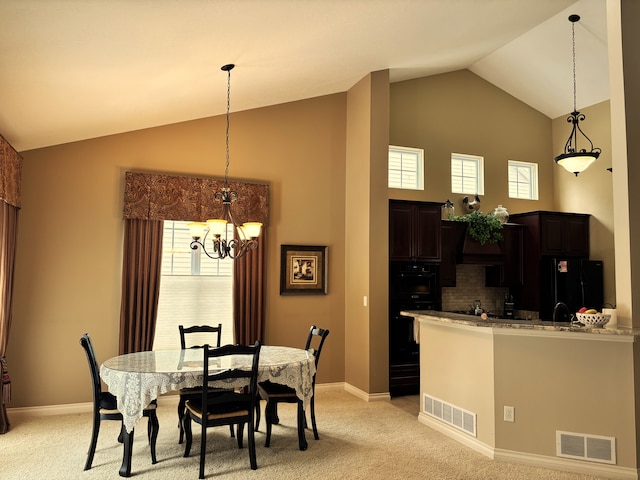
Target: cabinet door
pixel 552 235
pixel 513 246
pixel 401 217
pixel 577 236
pixel 428 246
pixel 510 273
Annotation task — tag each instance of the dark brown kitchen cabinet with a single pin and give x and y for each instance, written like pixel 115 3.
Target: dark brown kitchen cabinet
pixel 510 273
pixel 555 233
pixel 414 231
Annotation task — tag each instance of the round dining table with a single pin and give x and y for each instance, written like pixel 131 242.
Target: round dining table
pixel 136 379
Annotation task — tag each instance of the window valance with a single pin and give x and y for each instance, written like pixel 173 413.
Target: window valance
pixel 10 174
pixel 166 197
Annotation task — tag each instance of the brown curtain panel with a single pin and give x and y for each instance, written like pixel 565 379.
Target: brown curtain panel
pixel 140 284
pixel 8 236
pixel 249 292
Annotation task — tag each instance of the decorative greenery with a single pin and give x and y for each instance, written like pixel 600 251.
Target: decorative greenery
pixel 482 228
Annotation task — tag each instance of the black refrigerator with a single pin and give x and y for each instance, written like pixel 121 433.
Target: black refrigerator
pixel 577 282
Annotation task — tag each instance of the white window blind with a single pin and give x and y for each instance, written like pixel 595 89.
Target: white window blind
pixel 467 174
pixel 194 289
pixel 405 168
pixel 523 180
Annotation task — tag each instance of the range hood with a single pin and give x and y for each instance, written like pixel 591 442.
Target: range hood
pixel 471 252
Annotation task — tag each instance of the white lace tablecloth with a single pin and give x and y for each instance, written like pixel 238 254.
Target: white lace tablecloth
pixel 138 378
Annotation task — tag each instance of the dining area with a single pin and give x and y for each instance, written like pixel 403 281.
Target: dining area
pixel 216 386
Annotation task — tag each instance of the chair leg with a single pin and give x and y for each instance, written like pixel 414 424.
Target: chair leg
pixel 186 424
pixel 231 431
pixel 153 427
pixel 313 419
pixel 181 409
pixel 203 446
pixel 94 440
pixel 240 434
pixel 268 417
pixel 252 448
pixel 302 441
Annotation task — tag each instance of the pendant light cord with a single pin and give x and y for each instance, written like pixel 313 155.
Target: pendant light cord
pixel 226 171
pixel 573 52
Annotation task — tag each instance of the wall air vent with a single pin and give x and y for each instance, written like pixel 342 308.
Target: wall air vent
pixel 594 448
pixel 454 416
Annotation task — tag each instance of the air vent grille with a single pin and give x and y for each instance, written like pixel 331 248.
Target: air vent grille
pixel 451 414
pixel 595 448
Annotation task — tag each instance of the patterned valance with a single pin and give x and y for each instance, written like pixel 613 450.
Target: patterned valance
pixel 10 174
pixel 166 197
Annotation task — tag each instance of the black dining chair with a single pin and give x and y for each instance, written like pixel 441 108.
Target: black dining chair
pixel 275 393
pixel 105 408
pixel 228 407
pixel 199 332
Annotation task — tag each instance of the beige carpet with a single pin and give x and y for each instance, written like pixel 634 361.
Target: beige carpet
pixel 358 440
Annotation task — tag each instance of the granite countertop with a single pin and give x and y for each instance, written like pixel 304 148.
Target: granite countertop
pixel 536 325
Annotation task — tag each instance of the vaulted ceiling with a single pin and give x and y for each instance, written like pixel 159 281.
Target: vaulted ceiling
pixel 78 69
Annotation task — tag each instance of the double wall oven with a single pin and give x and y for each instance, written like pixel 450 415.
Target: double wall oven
pixel 412 286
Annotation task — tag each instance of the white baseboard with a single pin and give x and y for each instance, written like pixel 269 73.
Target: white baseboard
pixel 330 387
pixel 367 397
pixel 542 461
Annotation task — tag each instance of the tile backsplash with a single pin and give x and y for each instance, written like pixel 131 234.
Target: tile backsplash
pixel 470 286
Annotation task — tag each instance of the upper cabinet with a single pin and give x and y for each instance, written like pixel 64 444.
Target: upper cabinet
pixel 414 231
pixel 555 233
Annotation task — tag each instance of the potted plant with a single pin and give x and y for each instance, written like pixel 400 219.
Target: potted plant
pixel 480 227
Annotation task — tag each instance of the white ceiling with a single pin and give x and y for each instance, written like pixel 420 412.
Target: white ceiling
pixel 77 69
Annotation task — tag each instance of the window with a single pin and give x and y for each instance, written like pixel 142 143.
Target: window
pixel 405 168
pixel 523 180
pixel 194 289
pixel 467 174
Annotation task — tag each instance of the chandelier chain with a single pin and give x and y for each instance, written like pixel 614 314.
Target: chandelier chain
pixel 226 171
pixel 573 53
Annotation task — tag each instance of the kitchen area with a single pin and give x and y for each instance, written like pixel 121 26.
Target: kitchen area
pixel 474 332
pixel 541 263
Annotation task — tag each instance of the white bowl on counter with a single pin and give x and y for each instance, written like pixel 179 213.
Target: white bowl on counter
pixel 593 319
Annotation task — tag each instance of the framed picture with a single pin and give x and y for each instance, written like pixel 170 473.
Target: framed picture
pixel 303 270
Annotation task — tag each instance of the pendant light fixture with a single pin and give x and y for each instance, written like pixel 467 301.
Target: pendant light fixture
pixel 244 237
pixel 575 159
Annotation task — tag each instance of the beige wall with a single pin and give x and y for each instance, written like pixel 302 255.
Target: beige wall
pixel 68 266
pixel 459 112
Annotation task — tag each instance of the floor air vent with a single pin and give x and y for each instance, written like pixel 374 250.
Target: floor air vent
pixel 594 448
pixel 455 416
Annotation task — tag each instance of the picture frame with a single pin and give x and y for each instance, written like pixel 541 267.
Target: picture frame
pixel 303 270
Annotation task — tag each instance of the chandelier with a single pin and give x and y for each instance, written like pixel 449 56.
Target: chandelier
pixel 574 159
pixel 244 237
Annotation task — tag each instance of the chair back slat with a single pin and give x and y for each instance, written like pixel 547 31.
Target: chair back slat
pixel 200 329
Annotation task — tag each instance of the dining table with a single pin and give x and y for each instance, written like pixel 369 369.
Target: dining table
pixel 137 379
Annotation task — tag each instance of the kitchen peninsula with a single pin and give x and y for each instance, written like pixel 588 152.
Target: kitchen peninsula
pixel 563 386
